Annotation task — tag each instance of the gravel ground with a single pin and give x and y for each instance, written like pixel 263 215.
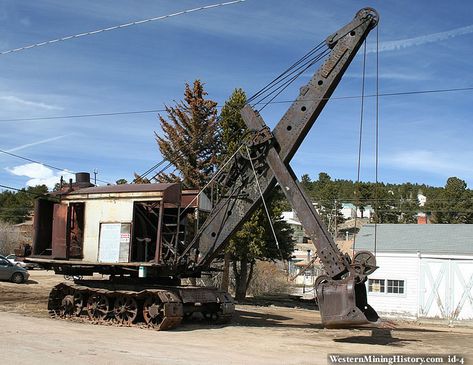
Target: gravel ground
pixel 269 334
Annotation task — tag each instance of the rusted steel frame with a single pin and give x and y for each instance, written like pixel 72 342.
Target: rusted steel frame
pixel 335 263
pixel 159 243
pixel 178 231
pixel 302 114
pixel 288 134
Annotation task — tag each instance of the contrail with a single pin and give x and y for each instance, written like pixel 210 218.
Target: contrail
pixel 417 41
pixel 37 143
pixel 17 100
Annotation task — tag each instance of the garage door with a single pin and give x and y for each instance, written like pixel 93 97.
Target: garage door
pixel 446 289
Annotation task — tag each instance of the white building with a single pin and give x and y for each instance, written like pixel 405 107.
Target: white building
pixel 425 270
pixel 422 199
pixel 350 211
pixel 293 221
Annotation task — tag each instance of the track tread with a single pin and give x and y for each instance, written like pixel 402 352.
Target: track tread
pixel 170 297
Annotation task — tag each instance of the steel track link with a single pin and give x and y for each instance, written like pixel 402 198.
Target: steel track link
pixel 158 309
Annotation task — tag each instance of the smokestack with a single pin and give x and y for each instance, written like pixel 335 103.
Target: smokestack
pixel 83 180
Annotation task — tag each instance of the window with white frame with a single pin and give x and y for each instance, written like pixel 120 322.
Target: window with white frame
pixel 376 285
pixel 395 286
pixel 386 286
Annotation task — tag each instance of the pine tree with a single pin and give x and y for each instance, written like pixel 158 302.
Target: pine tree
pixel 190 141
pixel 254 241
pixel 16 207
pixel 454 204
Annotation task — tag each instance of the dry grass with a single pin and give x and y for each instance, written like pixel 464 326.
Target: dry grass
pixel 268 278
pixel 9 238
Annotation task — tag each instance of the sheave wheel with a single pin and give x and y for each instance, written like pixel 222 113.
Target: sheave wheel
pixel 364 263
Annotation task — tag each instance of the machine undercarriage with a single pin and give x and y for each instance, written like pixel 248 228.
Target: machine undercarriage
pixel 156 306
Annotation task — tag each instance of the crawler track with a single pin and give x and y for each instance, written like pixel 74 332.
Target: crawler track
pixel 157 307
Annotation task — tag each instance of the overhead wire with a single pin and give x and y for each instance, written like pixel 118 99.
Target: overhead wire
pixel 19 190
pixel 283 87
pixel 44 164
pixel 264 203
pixel 360 139
pixel 121 26
pixel 376 137
pixel 148 111
pixel 286 73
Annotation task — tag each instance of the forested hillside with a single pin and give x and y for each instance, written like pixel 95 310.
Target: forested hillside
pixel 395 203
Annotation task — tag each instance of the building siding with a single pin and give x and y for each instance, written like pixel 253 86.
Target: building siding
pixel 396 267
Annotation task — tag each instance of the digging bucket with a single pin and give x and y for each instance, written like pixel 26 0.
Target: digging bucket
pixel 344 303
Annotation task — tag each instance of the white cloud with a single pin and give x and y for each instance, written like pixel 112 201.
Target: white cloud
pixel 418 41
pixel 16 101
pixel 432 162
pixel 408 75
pixel 39 174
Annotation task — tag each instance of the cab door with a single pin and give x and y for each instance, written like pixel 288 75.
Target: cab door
pixel 60 229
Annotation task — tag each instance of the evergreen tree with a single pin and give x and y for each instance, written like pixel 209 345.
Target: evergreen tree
pixel 195 146
pixel 190 139
pixel 324 193
pixel 254 241
pixel 16 207
pixel 121 182
pixel 454 204
pixel 232 126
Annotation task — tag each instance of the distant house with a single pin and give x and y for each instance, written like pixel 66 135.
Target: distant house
pixel 304 251
pixel 293 221
pixel 425 270
pixel 422 199
pixel 349 211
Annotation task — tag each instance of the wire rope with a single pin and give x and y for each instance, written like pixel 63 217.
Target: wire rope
pixel 360 140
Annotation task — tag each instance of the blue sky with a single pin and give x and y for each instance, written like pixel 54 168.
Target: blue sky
pixel 424 45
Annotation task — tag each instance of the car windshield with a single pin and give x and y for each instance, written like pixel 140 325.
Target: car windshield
pixel 11 257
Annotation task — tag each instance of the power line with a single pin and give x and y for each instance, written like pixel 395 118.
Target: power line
pixel 20 190
pixel 121 26
pixel 72 116
pixel 44 164
pixel 147 111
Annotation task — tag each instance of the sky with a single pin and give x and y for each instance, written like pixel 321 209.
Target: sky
pixel 423 45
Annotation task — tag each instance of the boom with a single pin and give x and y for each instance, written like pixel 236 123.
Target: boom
pixel 271 153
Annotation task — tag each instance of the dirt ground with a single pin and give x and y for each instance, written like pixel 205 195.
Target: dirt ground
pixel 269 334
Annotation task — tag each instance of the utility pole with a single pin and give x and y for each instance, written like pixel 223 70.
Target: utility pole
pixel 95 176
pixel 336 228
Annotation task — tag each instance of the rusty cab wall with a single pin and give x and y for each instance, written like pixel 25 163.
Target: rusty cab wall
pixel 127 223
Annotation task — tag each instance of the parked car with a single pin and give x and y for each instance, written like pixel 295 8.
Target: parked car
pixel 12 272
pixel 27 265
pixel 14 261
